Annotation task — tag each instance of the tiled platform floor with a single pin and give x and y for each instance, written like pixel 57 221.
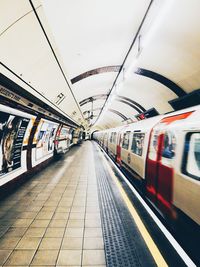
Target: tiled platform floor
pixel 54 218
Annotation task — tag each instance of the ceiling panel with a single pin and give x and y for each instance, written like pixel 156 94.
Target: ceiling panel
pixel 92 34
pixel 25 51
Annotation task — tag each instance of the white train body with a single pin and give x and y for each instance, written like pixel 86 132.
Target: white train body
pixel 164 154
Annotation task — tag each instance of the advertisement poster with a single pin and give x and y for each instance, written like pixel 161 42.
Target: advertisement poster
pixel 12 131
pixel 45 139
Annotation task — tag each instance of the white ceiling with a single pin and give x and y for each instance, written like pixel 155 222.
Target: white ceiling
pixel 92 34
pixel 25 51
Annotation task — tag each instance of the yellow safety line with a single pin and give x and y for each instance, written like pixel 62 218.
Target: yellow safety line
pixel 144 232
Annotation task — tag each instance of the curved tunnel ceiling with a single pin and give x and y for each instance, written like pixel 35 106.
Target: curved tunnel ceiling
pixel 101 63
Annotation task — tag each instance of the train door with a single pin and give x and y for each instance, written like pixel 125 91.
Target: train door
pixel 125 146
pixel 152 166
pixel 118 152
pixel 114 145
pixel 105 142
pixel 166 172
pixel 159 169
pixel 111 141
pixel 159 165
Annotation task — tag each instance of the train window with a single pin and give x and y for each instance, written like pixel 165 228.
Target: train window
pixel 111 137
pixel 153 145
pixel 114 138
pixel 125 142
pixel 169 145
pixel 191 159
pixel 138 143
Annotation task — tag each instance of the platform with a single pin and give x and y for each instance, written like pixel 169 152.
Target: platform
pixel 76 213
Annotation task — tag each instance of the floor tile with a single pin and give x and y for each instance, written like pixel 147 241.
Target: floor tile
pixel 45 257
pixel 22 222
pixel 93 204
pixel 3 231
pixel 29 243
pixel 77 216
pixel 40 223
pixel 20 257
pixel 61 216
pixel 93 243
pixel 15 232
pixel 69 257
pixel 44 215
pixel 4 254
pixel 35 232
pixel 35 208
pixel 48 209
pixel 8 242
pixel 92 209
pixel 93 216
pixel 54 232
pixel 78 209
pixel 79 204
pixel 27 215
pixel 93 232
pixel 75 223
pixel 50 204
pixel 74 232
pixel 58 223
pixel 72 243
pixel 63 209
pixel 92 223
pixel 93 257
pixel 50 243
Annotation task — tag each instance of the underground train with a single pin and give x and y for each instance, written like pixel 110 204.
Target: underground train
pixel 29 139
pixel 162 154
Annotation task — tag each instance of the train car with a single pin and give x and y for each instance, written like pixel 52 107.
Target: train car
pixel 100 138
pixel 113 141
pixel 132 146
pixel 105 140
pixel 164 154
pixel 172 165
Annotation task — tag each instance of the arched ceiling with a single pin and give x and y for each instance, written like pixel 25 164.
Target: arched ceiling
pixel 101 63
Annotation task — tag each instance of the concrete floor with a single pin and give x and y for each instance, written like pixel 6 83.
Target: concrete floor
pixel 54 218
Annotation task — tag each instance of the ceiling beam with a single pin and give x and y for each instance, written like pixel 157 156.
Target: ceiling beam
pixel 92 98
pixel 134 103
pixel 89 73
pixel 118 113
pixel 161 79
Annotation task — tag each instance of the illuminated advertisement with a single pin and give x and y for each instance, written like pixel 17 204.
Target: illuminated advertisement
pixel 12 131
pixel 45 139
